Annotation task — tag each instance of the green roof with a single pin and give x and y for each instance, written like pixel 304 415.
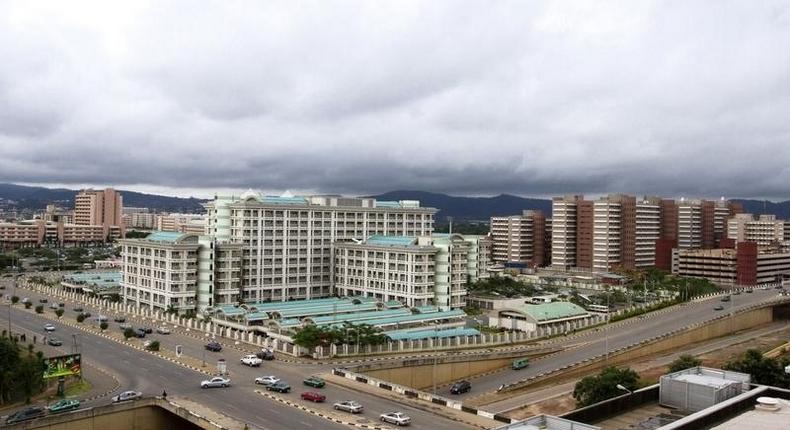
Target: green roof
pixel 427 334
pixel 391 240
pixel 279 200
pixel 554 311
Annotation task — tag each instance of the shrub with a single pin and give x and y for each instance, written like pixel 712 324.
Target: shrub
pixel 28 305
pixel 59 312
pixel 14 299
pixel 129 332
pixel 80 318
pixel 103 326
pixel 40 309
pixel 153 346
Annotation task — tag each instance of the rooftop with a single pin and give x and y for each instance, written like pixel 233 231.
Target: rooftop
pixel 551 311
pixel 165 236
pixel 391 240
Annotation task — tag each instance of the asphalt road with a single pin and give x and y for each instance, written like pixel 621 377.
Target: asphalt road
pixel 141 371
pixel 617 335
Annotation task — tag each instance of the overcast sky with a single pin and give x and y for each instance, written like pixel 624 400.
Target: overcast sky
pixel 472 98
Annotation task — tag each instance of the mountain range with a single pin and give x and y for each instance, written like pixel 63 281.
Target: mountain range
pixel 462 209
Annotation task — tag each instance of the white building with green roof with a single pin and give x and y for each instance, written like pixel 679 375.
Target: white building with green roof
pixel 534 318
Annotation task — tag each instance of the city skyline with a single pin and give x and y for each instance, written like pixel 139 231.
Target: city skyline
pixel 528 99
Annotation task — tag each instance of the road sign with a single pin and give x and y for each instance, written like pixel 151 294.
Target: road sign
pixel 222 366
pixel 178 351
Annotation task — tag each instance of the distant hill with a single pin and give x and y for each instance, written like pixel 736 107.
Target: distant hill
pixel 38 197
pixel 757 207
pixel 470 208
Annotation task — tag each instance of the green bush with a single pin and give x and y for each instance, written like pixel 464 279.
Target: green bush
pixel 597 388
pixel 103 326
pixel 153 346
pixel 59 312
pixel 28 305
pixel 40 309
pixel 129 332
pixel 685 361
pixel 80 318
pixel 14 299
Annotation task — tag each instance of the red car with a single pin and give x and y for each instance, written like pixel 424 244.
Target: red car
pixel 313 396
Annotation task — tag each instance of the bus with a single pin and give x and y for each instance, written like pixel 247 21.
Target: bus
pixel 520 363
pixel 598 308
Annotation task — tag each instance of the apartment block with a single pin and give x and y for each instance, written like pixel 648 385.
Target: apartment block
pixel 160 272
pixel 746 265
pixel 416 271
pixel 287 241
pixel 32 233
pixel 181 223
pixel 763 230
pixel 563 231
pixel 519 238
pixel 98 207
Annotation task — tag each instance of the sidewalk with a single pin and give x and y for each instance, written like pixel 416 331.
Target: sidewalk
pixel 453 414
pixel 204 411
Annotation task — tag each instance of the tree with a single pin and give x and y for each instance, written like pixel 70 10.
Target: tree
pixel 685 361
pixel 28 305
pixel 21 372
pixel 764 370
pixel 80 318
pixel 59 312
pixel 129 332
pixel 14 299
pixel 40 309
pixel 153 346
pixel 103 326
pixel 597 388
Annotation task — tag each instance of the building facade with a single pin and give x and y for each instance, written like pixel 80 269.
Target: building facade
pixel 764 230
pixel 746 265
pixel 519 238
pixel 563 231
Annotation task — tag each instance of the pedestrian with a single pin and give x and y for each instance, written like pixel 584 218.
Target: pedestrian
pixel 34 339
pixel 44 339
pixel 24 338
pixel 164 394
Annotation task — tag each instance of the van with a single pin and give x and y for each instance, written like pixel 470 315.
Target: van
pixel 520 364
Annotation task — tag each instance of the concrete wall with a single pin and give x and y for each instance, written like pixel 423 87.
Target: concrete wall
pixel 146 414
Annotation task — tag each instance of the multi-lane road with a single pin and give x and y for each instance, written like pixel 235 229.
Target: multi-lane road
pixel 141 371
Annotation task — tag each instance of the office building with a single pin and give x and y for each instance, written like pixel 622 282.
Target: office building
pixel 100 207
pixel 33 233
pixel 746 265
pixel 519 238
pixel 563 231
pixel 181 223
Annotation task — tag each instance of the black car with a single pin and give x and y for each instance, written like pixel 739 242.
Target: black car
pixel 78 310
pixel 265 354
pixel 214 346
pixel 147 330
pixel 54 342
pixel 42 300
pixel 139 333
pixel 460 387
pixel 119 319
pixel 24 415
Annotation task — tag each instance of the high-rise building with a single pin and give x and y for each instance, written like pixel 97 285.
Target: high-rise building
pixel 100 207
pixel 563 231
pixel 764 230
pixel 519 238
pixel 746 265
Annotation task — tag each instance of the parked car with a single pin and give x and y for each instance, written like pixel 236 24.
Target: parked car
pixel 313 397
pixel 124 326
pixel 265 354
pixel 119 319
pixel 25 300
pixel 101 318
pixel 54 342
pixel 39 300
pixel 749 291
pixel 54 306
pixel 24 415
pixel 163 330
pixel 315 382
pixel 725 299
pixel 267 380
pixel 61 305
pixel 348 406
pixel 78 309
pixel 63 405
pixel 397 418
pixel 280 387
pixel 737 293
pixel 718 308
pixel 49 327
pixel 147 330
pixel 215 382
pixel 214 346
pixel 127 395
pixel 139 333
pixel 87 314
pixel 251 360
pixel 460 387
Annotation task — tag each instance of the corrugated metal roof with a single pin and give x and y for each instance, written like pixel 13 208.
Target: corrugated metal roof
pixel 428 334
pixel 553 311
pixel 164 236
pixel 391 240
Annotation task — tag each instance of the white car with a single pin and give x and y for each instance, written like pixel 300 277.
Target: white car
pixel 348 406
pixel 397 418
pixel 215 382
pixel 251 360
pixel 127 395
pixel 49 327
pixel 163 330
pixel 267 380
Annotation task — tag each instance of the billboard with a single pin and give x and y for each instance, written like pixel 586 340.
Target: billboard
pixel 63 365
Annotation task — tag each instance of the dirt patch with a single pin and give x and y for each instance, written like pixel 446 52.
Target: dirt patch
pixel 554 406
pixel 763 343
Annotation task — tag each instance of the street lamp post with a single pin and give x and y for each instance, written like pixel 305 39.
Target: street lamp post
pixel 621 387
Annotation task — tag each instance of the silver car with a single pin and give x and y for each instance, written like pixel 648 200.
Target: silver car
pixel 215 382
pixel 397 418
pixel 127 395
pixel 349 406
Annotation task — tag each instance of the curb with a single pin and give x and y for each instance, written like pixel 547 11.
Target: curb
pixel 316 413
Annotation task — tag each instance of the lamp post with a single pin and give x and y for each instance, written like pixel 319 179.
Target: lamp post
pixel 621 387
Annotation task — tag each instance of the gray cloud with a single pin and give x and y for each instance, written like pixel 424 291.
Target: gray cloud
pixel 531 98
